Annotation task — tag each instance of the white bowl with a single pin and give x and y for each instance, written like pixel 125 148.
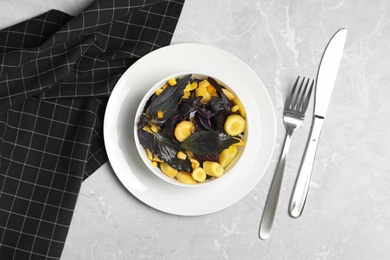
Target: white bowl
pixel 142 152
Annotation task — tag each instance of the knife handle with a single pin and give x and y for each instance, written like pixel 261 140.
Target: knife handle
pixel 301 187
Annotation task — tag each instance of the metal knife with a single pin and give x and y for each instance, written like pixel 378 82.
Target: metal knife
pixel 326 78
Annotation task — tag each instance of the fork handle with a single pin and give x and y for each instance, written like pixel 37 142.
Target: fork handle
pixel 273 195
pixel 301 187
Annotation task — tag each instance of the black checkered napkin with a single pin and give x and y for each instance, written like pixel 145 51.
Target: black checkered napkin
pixel 56 74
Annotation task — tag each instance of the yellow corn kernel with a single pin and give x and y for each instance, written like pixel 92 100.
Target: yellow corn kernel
pixel 198 174
pixel 154 128
pixel 204 84
pixel 155 164
pixel 149 154
pixel 240 142
pixel 164 86
pixel 147 129
pixel 202 91
pixel 227 93
pixel 190 154
pixel 211 89
pixel 194 163
pixel 213 169
pixel 235 108
pixel 238 102
pixel 186 95
pixel 180 155
pixel 185 177
pixel 151 157
pixel 160 114
pixel 190 87
pixel 214 94
pixel 168 170
pixel 187 88
pixel 172 81
pixel 158 91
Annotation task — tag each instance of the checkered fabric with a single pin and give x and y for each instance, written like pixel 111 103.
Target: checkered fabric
pixel 56 74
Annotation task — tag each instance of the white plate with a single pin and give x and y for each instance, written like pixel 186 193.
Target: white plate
pixel 119 136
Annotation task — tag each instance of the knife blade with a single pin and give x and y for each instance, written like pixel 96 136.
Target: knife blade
pixel 326 78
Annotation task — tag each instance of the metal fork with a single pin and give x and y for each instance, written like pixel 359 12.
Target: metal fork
pixel 293 115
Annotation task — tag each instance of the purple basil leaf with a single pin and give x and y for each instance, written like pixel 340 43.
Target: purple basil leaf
pixel 143 121
pixel 151 98
pixel 203 115
pixel 218 121
pixel 207 157
pixel 167 150
pixel 167 101
pixel 146 140
pixel 190 104
pixel 205 122
pixel 227 103
pixel 216 104
pixel 198 124
pixel 208 142
pixel 205 112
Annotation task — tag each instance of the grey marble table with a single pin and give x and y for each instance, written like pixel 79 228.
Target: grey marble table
pixel 347 215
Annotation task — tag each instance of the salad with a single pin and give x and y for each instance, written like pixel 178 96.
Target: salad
pixel 192 128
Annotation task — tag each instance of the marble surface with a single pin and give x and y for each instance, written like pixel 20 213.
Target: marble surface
pixel 347 215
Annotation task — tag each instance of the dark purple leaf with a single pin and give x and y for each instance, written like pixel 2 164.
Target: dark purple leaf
pixel 218 121
pixel 203 116
pixel 205 112
pixel 198 124
pixel 227 103
pixel 143 121
pixel 205 122
pixel 190 104
pixel 167 101
pixel 167 151
pixel 216 104
pixel 146 140
pixel 207 157
pixel 208 142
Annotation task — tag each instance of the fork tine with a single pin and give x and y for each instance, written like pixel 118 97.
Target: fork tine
pixel 291 96
pixel 301 100
pixel 301 96
pixel 308 95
